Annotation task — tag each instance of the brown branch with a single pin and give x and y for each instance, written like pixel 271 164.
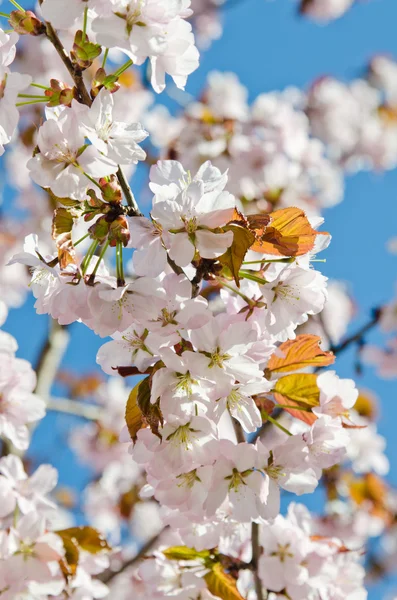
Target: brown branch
pixel 256 552
pixel 50 358
pixel 91 412
pixel 108 576
pixel 238 430
pixel 85 98
pixel 359 335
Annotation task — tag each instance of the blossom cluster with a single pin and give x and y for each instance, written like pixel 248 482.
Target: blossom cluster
pixel 211 299
pixel 35 559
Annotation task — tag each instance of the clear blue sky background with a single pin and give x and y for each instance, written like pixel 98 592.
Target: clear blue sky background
pixel 270 47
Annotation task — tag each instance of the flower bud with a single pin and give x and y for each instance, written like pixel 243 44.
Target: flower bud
pixel 84 52
pixel 111 190
pixel 59 94
pixel 26 23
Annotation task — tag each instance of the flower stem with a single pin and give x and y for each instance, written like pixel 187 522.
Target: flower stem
pixel 119 264
pixel 18 6
pixel 85 23
pixel 32 96
pixel 123 68
pixel 275 422
pixel 271 260
pixel 105 57
pixel 90 178
pixel 233 289
pixel 251 277
pixel 100 258
pixel 87 259
pixel 32 102
pixel 38 85
pixel 4 15
pixel 81 239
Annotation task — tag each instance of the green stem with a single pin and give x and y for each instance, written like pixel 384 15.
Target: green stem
pixel 38 85
pixel 271 260
pixel 32 102
pixel 123 68
pixel 251 277
pixel 119 264
pixel 18 6
pixel 32 96
pixel 100 258
pixel 4 15
pixel 105 57
pixel 81 239
pixel 88 256
pixel 232 289
pixel 85 23
pixel 275 422
pixel 88 176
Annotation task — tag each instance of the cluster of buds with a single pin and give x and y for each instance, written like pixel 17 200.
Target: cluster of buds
pixel 59 93
pixel 111 224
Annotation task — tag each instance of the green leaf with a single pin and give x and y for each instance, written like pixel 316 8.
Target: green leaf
pixel 233 258
pixel 222 584
pixel 185 553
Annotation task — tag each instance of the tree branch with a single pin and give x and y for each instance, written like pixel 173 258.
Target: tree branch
pixel 85 98
pixel 358 336
pixel 256 552
pixel 108 576
pixel 91 412
pixel 50 359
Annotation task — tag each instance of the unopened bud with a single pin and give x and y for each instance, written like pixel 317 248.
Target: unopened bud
pixel 101 80
pixel 84 52
pixel 26 23
pixel 119 231
pixel 111 190
pixel 59 94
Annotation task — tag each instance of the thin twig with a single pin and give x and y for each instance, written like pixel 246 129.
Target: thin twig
pixel 108 576
pixel 91 412
pixel 85 98
pixel 358 336
pixel 50 359
pixel 238 430
pixel 256 552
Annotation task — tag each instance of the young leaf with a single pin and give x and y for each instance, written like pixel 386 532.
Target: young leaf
pixel 62 225
pixel 133 414
pixel 85 538
pixel 222 584
pixel 296 354
pixel 70 561
pixel 289 233
pixel 233 258
pixel 301 387
pixel 185 553
pixel 298 390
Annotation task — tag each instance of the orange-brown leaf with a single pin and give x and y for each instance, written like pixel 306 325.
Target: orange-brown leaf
pixel 296 354
pixel 289 233
pixel 62 224
pixel 307 416
pixel 133 414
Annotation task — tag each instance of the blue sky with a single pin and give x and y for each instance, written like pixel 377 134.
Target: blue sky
pixel 270 47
